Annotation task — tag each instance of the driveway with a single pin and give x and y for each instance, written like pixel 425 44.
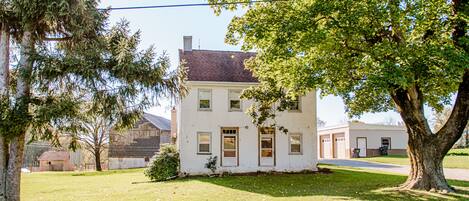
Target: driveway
pixel 450 173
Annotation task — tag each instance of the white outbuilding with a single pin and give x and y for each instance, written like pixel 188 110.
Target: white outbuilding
pixel 339 141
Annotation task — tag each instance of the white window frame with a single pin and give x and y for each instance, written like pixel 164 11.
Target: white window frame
pixel 210 100
pixel 299 106
pixel 223 149
pixel 209 143
pixel 230 99
pixel 290 143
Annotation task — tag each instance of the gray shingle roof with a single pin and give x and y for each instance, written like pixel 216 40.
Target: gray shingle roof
pixel 160 122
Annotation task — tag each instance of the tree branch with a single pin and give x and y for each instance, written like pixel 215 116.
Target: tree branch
pixel 457 121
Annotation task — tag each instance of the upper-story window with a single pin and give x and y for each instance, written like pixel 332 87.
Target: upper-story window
pixel 205 99
pixel 296 105
pixel 234 101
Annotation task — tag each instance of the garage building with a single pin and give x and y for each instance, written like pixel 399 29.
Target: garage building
pixel 340 141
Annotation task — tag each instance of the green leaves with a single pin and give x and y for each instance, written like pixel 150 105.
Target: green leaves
pixel 78 59
pixel 359 50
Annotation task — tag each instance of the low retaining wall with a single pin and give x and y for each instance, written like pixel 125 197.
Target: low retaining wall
pixel 126 163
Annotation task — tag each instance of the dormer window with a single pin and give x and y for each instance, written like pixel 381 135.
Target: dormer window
pixel 234 101
pixel 205 99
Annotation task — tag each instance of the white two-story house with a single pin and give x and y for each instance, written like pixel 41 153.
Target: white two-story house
pixel 211 120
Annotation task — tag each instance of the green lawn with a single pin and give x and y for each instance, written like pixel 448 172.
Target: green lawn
pixel 342 184
pixel 448 162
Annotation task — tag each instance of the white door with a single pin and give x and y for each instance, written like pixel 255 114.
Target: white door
pixel 340 147
pixel 361 144
pixel 229 147
pixel 267 147
pixel 326 147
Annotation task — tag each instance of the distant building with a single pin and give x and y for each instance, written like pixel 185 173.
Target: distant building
pixel 55 161
pixel 134 147
pixel 32 152
pixel 340 141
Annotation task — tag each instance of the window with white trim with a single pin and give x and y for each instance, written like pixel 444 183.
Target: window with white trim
pixel 295 105
pixel 295 142
pixel 205 99
pixel 204 140
pixel 234 100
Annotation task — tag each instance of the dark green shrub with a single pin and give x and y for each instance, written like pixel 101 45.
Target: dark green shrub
pixel 212 164
pixel 165 165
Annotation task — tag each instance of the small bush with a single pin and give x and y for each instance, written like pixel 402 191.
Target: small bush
pixel 383 151
pixel 165 165
pixel 212 164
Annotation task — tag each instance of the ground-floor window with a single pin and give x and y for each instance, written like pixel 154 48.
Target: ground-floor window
pixel 204 142
pixel 295 142
pixel 386 142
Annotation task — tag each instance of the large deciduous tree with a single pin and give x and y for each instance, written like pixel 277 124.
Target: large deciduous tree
pixel 377 55
pixel 93 136
pixel 67 56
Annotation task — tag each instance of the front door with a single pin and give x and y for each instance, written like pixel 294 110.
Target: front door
pixel 267 147
pixel 229 147
pixel 361 144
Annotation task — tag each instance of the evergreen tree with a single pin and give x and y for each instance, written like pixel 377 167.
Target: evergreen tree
pixel 67 56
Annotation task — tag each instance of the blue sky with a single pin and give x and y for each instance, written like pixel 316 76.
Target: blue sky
pixel 165 28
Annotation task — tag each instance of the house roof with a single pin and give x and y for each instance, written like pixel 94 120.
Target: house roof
pixel 54 156
pixel 160 122
pixel 218 66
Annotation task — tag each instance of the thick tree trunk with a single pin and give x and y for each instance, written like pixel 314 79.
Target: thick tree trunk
pixel 426 150
pixel 3 167
pixel 4 79
pixel 97 157
pixel 14 168
pixel 17 142
pixel 4 60
pixel 426 160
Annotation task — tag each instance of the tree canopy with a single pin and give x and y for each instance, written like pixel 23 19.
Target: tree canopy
pixel 359 50
pixel 377 55
pixel 68 54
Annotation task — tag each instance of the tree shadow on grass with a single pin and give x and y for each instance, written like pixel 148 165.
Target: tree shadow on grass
pixel 341 184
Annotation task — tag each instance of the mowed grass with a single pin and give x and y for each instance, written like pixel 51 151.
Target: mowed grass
pixel 448 161
pixel 341 184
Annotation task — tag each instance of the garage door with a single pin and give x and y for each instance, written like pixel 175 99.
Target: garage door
pixel 326 147
pixel 339 148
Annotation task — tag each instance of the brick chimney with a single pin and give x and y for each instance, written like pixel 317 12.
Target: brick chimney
pixel 173 123
pixel 187 43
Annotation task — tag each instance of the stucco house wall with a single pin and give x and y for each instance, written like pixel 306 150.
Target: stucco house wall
pixel 191 121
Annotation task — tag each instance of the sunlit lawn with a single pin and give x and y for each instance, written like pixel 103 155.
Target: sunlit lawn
pixel 342 184
pixel 448 162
